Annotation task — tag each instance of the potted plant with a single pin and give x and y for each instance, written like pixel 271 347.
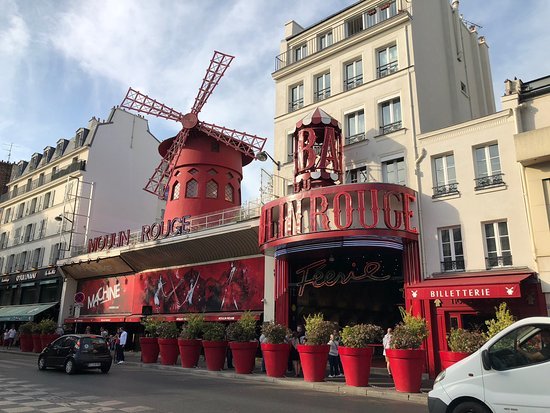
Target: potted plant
pixel 36 330
pixel 25 337
pixel 47 327
pixel 243 343
pixel 275 349
pixel 503 318
pixel 215 345
pixel 149 344
pixel 189 342
pixel 314 352
pixel 356 354
pixel 168 342
pixel 461 344
pixel 405 356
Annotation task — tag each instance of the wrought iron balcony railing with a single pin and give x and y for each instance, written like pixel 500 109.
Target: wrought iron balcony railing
pixel 448 265
pixel 488 181
pixel 353 82
pixel 387 69
pixel 321 94
pixel 295 105
pixel 498 261
pixel 355 138
pixel 390 127
pixel 444 190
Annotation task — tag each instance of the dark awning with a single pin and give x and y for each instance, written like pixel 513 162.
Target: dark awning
pixel 23 312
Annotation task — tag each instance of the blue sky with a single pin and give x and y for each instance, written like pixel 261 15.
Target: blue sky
pixel 62 61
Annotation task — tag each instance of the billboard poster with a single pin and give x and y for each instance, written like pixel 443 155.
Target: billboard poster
pixel 113 295
pixel 235 285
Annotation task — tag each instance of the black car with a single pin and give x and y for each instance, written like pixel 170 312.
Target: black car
pixel 73 352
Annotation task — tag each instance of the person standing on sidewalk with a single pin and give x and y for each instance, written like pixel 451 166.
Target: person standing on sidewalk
pixel 386 342
pixel 333 357
pixel 123 336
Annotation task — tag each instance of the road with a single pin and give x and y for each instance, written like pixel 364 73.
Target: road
pixel 132 389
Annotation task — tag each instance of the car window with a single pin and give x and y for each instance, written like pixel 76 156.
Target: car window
pixel 94 344
pixel 523 346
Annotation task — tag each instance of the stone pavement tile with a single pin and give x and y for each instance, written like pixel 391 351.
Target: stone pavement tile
pixel 35 393
pixel 89 398
pixel 19 410
pixel 58 410
pixel 7 402
pixel 109 403
pixel 37 403
pixel 135 409
pixel 98 409
pixel 18 398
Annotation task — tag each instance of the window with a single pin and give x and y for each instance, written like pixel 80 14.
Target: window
pixel 300 52
pixel 32 208
pixel 4 240
pixel 452 256
pixel 20 210
pixel 353 74
pixel 324 40
pixel 354 25
pixel 463 88
pixel 357 175
pixel 393 171
pixel 47 200
pixel 488 172
pixel 290 147
pixel 322 87
pixel 229 193
pixel 355 127
pixel 1 266
pixel 192 189
pixel 384 12
pixel 387 61
pixel 497 244
pixel 37 256
pixel 176 191
pixel 17 236
pixel 42 229
pixel 41 179
pixel 56 252
pixel 21 262
pixel 444 176
pixel 10 264
pixel 29 185
pixel 296 97
pixel 390 116
pixel 29 233
pixel 212 172
pixel 211 189
pixel 7 215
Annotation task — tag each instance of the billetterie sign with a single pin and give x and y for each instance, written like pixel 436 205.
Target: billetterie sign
pixel 159 230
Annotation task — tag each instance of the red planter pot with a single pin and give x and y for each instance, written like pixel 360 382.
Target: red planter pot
pixel 26 343
pixel 47 339
pixel 448 358
pixel 314 361
pixel 215 352
pixel 244 356
pixel 275 358
pixel 356 363
pixel 36 343
pixel 406 368
pixel 169 351
pixel 149 349
pixel 190 351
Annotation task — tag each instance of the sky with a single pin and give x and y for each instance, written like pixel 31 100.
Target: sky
pixel 63 62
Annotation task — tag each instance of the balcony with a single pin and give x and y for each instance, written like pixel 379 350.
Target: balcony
pixel 295 105
pixel 321 95
pixel 444 190
pixel 353 82
pixel 498 261
pixel 356 138
pixel 43 180
pixel 448 265
pixel 488 181
pixel 390 127
pixel 342 30
pixel 387 69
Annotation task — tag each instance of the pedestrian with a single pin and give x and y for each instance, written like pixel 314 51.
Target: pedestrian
pixel 334 370
pixel 294 355
pixel 113 342
pixel 123 336
pixel 88 330
pixel 263 339
pixel 11 336
pixel 59 331
pixel 386 343
pixel 229 357
pixel 6 337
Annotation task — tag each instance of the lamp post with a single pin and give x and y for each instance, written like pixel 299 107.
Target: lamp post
pixel 264 155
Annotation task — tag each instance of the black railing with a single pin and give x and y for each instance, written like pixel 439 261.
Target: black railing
pixel 450 265
pixel 322 94
pixel 498 261
pixel 489 181
pixel 295 105
pixel 390 127
pixel 356 138
pixel 342 31
pixel 353 82
pixel 443 190
pixel 387 69
pixel 35 183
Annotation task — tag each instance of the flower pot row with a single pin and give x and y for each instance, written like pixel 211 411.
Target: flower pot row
pixel 35 342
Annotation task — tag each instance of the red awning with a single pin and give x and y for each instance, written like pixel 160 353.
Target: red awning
pixel 115 318
pixel 467 288
pixel 223 316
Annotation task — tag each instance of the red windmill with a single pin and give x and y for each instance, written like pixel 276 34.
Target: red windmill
pixel 198 174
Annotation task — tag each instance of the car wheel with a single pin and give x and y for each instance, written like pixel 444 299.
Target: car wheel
pixel 470 407
pixel 70 367
pixel 105 369
pixel 41 363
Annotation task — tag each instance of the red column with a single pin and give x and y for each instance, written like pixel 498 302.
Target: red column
pixel 281 291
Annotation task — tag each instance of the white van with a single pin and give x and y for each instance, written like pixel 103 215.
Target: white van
pixel 510 373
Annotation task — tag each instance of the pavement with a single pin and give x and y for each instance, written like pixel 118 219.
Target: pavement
pixel 380 383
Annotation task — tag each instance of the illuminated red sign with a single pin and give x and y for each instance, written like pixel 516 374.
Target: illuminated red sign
pixel 509 290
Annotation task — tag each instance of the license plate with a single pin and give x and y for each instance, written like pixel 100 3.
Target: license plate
pixel 94 364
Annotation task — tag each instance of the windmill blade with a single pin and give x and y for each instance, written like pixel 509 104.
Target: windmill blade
pixel 241 141
pixel 163 172
pixel 218 65
pixel 139 102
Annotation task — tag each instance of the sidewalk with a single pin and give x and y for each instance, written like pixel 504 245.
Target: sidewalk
pixel 380 384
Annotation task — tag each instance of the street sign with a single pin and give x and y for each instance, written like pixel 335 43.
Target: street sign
pixel 76 311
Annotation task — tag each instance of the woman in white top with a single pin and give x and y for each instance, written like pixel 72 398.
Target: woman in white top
pixel 386 342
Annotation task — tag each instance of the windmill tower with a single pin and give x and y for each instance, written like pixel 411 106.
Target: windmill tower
pixel 201 169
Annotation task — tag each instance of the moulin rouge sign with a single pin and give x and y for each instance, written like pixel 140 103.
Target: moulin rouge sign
pixel 339 210
pixel 159 230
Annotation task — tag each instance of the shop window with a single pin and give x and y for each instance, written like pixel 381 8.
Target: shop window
pixel 497 244
pixel 192 189
pixel 450 248
pixel 29 293
pixel 390 116
pixel 176 191
pixel 393 171
pixel 488 171
pixel 49 291
pixel 212 189
pixel 355 127
pixel 6 295
pixel 444 176
pixel 353 74
pixel 229 193
pixel 387 61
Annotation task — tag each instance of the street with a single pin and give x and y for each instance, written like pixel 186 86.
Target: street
pixel 130 388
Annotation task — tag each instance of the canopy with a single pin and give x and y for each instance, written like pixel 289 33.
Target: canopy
pixel 23 312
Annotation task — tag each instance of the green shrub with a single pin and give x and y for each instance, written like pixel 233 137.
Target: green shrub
pixel 361 335
pixel 167 329
pixel 36 329
pixel 318 331
pixel 193 328
pixel 275 333
pixel 410 333
pixel 151 325
pixel 244 329
pixel 27 328
pixel 503 318
pixel 214 332
pixel 47 326
pixel 465 341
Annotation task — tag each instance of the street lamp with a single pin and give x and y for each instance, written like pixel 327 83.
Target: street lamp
pixel 62 217
pixel 263 156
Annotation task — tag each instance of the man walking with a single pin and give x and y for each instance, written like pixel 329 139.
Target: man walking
pixel 123 336
pixel 11 336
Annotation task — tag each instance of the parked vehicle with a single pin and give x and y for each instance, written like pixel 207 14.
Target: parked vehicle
pixel 509 373
pixel 74 352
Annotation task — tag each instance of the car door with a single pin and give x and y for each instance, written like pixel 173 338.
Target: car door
pixel 66 348
pixel 517 380
pixel 53 352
